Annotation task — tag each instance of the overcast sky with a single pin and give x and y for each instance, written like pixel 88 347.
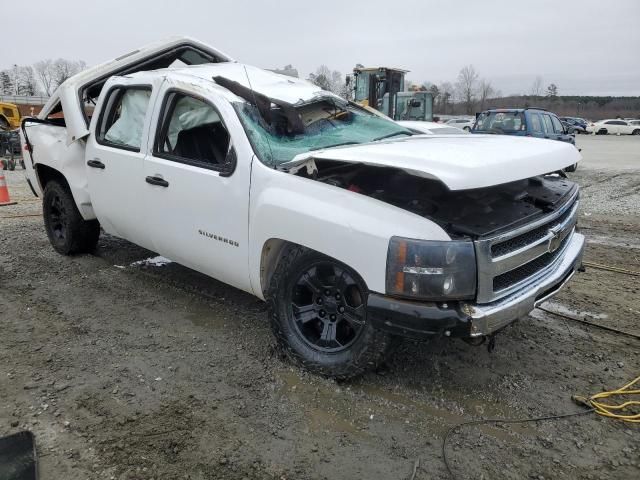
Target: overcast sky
pixel 585 46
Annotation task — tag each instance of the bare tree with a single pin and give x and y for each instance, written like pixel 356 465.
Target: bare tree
pixel 6 83
pixel 552 90
pixel 467 87
pixel 26 83
pixel 329 80
pixel 44 70
pixel 486 91
pixel 536 88
pixel 63 69
pixel 435 93
pixel 446 94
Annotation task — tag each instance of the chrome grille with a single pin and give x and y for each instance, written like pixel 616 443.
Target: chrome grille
pixel 508 246
pixel 521 273
pixel 511 260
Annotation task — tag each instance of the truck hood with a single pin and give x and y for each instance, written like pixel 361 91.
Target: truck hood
pixel 461 162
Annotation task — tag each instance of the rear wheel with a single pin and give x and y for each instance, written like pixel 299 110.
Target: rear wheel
pixel 317 308
pixel 602 131
pixel 68 232
pixel 636 132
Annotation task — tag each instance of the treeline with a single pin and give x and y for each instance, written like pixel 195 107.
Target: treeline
pixel 589 107
pixel 41 78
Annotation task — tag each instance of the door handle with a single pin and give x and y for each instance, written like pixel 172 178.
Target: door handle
pixel 161 182
pixel 96 163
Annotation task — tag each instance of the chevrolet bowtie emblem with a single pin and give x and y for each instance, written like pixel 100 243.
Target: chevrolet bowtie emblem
pixel 555 240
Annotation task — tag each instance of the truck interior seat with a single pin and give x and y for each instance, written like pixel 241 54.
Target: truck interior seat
pixel 205 143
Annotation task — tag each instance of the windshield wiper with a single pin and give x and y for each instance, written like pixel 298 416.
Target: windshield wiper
pixel 391 135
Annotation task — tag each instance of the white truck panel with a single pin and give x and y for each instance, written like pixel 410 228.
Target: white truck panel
pixel 350 227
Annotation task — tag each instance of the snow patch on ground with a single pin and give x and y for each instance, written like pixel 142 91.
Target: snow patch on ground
pixel 158 261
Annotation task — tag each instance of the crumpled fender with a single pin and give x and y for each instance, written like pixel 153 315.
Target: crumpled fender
pixel 350 227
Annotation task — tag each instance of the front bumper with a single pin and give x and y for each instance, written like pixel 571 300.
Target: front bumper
pixel 460 319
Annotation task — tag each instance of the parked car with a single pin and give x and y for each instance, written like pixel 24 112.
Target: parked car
pixel 613 126
pixel 463 123
pixel 431 128
pixel 574 124
pixel 352 229
pixel 529 122
pixel 572 128
pixel 634 123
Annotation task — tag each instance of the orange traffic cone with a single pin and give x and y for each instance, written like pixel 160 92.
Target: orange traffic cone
pixel 4 193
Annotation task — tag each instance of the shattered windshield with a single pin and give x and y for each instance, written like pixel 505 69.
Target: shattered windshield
pixel 326 123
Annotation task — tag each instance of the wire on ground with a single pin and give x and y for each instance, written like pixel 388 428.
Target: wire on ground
pixel 593 403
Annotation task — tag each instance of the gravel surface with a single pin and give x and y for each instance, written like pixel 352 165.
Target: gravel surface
pixel 128 370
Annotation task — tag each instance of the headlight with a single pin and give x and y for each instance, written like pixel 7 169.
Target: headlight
pixel 431 270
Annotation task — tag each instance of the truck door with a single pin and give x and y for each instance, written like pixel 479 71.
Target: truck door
pixel 115 159
pixel 196 190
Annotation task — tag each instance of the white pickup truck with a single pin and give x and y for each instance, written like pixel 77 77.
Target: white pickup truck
pixel 354 229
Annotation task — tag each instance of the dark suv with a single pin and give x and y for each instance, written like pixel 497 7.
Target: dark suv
pixel 525 122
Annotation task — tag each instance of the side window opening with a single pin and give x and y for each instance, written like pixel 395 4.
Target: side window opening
pixel 548 126
pixel 557 125
pixel 535 123
pixel 193 132
pixel 122 118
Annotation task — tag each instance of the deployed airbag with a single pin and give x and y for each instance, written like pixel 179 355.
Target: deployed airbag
pixel 127 129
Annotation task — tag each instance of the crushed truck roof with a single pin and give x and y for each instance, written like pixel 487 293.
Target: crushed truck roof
pixel 86 85
pixel 273 85
pixel 176 57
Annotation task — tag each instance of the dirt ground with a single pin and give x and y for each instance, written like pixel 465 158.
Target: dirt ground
pixel 136 371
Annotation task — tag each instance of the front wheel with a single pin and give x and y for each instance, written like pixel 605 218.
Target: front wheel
pixel 468 129
pixel 317 309
pixel 68 232
pixel 571 168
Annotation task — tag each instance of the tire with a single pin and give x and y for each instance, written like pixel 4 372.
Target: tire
pixel 468 129
pixel 636 132
pixel 4 124
pixel 602 131
pixel 317 311
pixel 571 168
pixel 68 232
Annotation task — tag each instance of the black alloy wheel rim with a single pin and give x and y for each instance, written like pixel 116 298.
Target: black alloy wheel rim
pixel 327 306
pixel 58 218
